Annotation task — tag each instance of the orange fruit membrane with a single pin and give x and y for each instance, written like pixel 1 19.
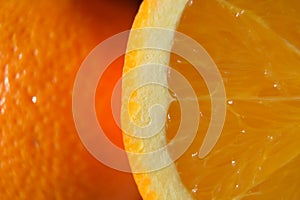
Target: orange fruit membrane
pixel 42 45
pixel 260 67
pixel 256 48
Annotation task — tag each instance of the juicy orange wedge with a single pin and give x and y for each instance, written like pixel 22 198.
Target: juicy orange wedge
pixel 255 46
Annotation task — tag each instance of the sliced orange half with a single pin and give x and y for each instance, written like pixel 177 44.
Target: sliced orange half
pixel 255 46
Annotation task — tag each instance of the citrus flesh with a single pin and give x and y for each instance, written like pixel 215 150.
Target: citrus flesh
pixel 42 45
pixel 260 67
pixel 255 46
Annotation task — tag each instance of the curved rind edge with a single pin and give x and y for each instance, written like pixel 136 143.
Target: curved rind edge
pixel 164 183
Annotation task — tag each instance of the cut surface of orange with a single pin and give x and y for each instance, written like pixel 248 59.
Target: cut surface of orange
pixel 255 46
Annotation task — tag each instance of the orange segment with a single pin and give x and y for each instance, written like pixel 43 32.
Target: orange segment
pixel 256 48
pixel 260 70
pixel 282 17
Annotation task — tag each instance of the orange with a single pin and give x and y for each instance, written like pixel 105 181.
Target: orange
pixel 255 46
pixel 42 45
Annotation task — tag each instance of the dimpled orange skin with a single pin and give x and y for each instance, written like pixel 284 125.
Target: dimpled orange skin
pixel 42 44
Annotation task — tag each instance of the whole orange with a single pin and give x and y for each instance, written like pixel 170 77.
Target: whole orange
pixel 42 44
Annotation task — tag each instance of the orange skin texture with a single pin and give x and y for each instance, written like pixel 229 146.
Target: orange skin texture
pixel 42 44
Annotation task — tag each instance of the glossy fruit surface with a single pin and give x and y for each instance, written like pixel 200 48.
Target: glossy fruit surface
pixel 42 45
pixel 255 46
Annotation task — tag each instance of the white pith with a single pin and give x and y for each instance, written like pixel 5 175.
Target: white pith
pixel 165 182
